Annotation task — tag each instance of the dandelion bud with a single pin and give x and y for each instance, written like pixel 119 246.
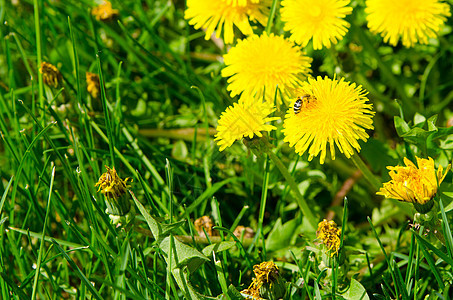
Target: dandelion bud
pixel 115 191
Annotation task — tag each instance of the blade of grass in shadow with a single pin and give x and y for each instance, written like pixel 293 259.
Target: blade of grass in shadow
pixel 399 281
pixel 445 230
pixel 41 247
pixel 430 261
pixel 385 255
pixel 294 188
pixel 39 59
pixel 78 272
pixel 108 124
pixel 2 202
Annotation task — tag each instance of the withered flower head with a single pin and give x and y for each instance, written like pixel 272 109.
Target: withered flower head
pixel 111 185
pixel 104 11
pixel 206 223
pixel 114 189
pixel 330 235
pixel 93 86
pixel 267 283
pixel 50 74
pixel 248 232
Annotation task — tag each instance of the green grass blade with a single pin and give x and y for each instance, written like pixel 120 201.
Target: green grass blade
pixel 78 272
pixel 445 230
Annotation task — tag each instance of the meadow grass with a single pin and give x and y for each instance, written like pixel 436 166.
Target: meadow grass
pixel 161 95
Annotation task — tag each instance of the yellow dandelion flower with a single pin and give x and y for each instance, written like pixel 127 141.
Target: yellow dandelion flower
pixel 50 74
pixel 246 118
pixel 93 85
pixel 411 20
pixel 320 20
pixel 240 2
pixel 330 235
pixel 414 184
pixel 261 63
pixel 218 15
pixel 105 12
pixel 329 111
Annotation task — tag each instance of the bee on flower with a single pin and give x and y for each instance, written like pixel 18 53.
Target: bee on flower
pixel 331 112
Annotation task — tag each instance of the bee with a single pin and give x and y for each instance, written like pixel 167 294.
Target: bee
pixel 305 99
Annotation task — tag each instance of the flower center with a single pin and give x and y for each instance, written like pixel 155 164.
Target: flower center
pixel 315 11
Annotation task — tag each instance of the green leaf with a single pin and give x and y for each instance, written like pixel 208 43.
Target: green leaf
pixel 182 254
pixel 401 126
pixel 153 225
pixel 234 294
pixel 179 150
pixel 168 228
pixel 217 247
pixel 432 123
pixel 77 271
pixel 419 119
pixel 281 235
pixel 431 262
pixel 356 291
pixel 183 282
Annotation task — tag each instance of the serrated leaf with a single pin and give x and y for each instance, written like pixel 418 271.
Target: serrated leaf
pixel 182 255
pixel 356 291
pixel 401 126
pixel 280 235
pixel 419 119
pixel 432 123
pixel 234 294
pixel 168 228
pixel 184 284
pixel 153 225
pixel 218 247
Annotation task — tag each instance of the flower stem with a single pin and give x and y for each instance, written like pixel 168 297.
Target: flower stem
pixel 299 198
pixel 366 172
pixel 263 198
pixel 271 16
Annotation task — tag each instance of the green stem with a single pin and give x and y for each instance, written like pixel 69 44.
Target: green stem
pixel 271 16
pixel 299 198
pixel 263 197
pixel 366 172
pixel 39 61
pixel 386 71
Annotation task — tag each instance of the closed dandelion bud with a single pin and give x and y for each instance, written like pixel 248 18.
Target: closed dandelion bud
pixel 50 74
pixel 115 191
